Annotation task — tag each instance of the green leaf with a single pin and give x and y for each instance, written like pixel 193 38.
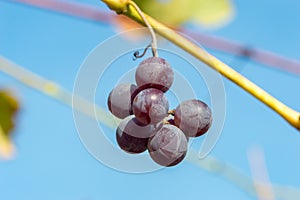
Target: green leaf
pixel 213 13
pixel 173 12
pixel 8 109
pixel 208 13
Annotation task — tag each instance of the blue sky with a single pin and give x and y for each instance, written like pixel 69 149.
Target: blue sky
pixel 51 161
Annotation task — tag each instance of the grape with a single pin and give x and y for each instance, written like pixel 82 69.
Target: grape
pixel 168 146
pixel 150 106
pixel 133 137
pixel 131 144
pixel 193 117
pixel 120 100
pixel 131 126
pixel 154 72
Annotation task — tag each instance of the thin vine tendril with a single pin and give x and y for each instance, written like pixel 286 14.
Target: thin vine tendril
pixel 154 40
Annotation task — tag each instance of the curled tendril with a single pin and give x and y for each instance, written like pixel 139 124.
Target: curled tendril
pixel 137 55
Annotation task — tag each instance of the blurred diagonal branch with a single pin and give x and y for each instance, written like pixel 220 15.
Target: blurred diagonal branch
pixel 238 178
pixel 262 184
pixel 55 91
pixel 210 163
pixel 92 13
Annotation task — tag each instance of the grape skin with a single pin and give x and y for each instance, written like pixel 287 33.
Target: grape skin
pixel 133 137
pixel 193 117
pixel 131 126
pixel 154 72
pixel 120 100
pixel 150 106
pixel 131 144
pixel 168 146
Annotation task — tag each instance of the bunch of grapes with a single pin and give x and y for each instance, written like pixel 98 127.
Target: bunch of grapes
pixel 146 123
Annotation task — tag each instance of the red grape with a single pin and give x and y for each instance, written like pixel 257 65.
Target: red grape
pixel 150 106
pixel 168 146
pixel 120 100
pixel 154 72
pixel 193 117
pixel 133 137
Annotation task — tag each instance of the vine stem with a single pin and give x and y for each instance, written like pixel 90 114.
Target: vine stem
pixel 93 13
pixel 290 115
pixel 154 40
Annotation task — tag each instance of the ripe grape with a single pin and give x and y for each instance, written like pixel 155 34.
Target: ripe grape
pixel 154 72
pixel 131 126
pixel 120 100
pixel 193 117
pixel 168 146
pixel 133 137
pixel 150 106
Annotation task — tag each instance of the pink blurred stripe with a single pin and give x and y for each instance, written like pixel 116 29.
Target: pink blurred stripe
pixel 255 54
pixel 92 13
pixel 70 8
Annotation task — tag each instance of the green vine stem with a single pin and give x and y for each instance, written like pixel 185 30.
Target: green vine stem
pixel 290 115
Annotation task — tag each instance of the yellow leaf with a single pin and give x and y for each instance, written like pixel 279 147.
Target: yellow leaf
pixel 207 13
pixel 213 13
pixel 7 149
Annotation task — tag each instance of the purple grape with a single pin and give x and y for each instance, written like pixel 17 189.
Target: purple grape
pixel 193 117
pixel 171 121
pixel 150 106
pixel 168 146
pixel 133 137
pixel 131 126
pixel 120 100
pixel 154 72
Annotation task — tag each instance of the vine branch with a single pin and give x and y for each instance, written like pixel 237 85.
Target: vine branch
pixel 92 13
pixel 287 113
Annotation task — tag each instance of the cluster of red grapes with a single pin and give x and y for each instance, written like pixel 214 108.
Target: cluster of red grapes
pixel 146 122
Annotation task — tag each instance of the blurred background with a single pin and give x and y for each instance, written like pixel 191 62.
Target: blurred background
pixel 260 39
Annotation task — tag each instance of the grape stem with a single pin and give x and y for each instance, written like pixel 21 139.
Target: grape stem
pixel 290 115
pixel 165 121
pixel 171 112
pixel 154 40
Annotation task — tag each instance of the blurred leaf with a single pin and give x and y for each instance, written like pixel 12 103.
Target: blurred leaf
pixel 6 146
pixel 207 13
pixel 213 13
pixel 174 13
pixel 8 109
